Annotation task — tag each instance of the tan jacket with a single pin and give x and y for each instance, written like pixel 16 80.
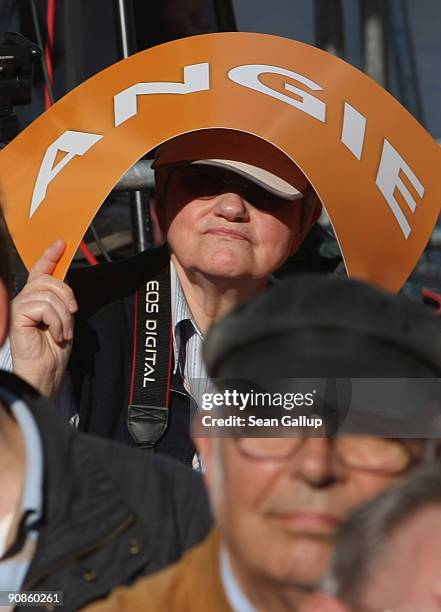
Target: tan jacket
pixel 191 585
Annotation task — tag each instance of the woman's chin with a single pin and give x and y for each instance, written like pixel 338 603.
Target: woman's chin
pixel 225 264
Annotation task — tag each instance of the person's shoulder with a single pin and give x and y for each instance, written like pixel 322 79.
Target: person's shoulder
pixel 152 593
pixel 23 390
pixel 149 475
pixel 169 496
pixel 191 583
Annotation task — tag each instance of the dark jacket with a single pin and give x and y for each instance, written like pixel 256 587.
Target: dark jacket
pixel 100 367
pixel 111 513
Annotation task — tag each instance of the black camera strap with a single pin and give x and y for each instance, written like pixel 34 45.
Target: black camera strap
pixel 152 361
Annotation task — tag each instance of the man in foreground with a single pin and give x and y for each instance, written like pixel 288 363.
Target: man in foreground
pixel 387 555
pixel 279 501
pixel 79 514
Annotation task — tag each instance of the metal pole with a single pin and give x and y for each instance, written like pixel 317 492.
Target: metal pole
pixel 140 177
pixel 374 37
pixel 73 27
pixel 404 58
pixel 329 32
pixel 225 17
pixel 126 36
pixel 139 200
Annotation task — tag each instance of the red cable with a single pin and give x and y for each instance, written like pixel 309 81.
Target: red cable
pixel 87 254
pixel 434 297
pixel 48 53
pixel 50 28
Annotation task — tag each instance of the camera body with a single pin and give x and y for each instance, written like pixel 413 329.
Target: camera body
pixel 17 57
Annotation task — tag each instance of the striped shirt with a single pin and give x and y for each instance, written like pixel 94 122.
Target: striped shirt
pixel 20 533
pixel 187 343
pixel 6 357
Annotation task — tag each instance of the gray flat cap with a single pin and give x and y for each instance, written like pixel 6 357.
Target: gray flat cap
pixel 316 325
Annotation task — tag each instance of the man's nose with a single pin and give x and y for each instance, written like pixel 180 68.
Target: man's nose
pixel 231 206
pixel 315 463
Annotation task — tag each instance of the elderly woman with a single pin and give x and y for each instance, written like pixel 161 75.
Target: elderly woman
pixel 233 208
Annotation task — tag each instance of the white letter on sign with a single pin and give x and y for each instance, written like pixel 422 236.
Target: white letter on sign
pixel 196 78
pixel 388 179
pixel 353 130
pixel 72 143
pixel 248 76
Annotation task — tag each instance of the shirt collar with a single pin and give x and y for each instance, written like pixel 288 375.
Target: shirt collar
pixel 180 312
pixel 32 498
pixel 236 597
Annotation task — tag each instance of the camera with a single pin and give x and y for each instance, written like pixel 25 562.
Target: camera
pixel 17 57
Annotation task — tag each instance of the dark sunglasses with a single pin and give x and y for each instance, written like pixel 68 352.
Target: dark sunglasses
pixel 205 182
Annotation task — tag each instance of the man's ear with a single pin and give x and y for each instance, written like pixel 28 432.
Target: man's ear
pixel 4 312
pixel 320 602
pixel 205 448
pixel 311 211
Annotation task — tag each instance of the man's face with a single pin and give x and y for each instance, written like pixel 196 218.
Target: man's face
pixel 278 517
pixel 215 225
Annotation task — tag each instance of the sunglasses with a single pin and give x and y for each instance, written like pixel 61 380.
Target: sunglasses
pixel 206 182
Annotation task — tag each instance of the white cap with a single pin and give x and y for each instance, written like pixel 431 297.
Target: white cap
pixel 250 156
pixel 267 180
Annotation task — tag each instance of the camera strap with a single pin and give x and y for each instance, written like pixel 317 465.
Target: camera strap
pixel 152 361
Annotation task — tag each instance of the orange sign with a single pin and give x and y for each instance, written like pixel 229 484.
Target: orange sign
pixel 375 168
